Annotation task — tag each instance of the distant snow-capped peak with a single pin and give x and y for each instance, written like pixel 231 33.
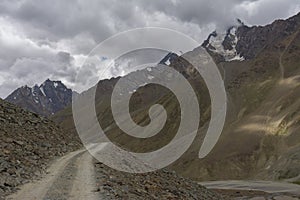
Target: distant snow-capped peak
pixel 45 99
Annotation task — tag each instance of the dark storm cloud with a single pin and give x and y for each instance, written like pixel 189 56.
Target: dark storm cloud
pixel 51 38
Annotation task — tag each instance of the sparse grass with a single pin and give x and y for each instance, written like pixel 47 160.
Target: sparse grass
pixel 254 93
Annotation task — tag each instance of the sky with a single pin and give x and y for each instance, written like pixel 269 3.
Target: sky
pixel 52 38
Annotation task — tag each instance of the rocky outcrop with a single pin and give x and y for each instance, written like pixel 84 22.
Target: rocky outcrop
pixel 253 40
pixel 162 184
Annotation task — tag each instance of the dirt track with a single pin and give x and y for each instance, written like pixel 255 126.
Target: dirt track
pixel 73 177
pixel 70 177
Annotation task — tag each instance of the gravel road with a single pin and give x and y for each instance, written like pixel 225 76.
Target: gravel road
pixel 70 177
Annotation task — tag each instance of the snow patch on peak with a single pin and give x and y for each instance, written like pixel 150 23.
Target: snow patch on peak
pixel 233 31
pixel 168 62
pixel 150 77
pixel 168 58
pixel 33 93
pixel 237 58
pixel 216 44
pixel 42 90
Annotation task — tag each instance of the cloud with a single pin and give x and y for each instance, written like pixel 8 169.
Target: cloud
pixel 51 38
pixel 266 11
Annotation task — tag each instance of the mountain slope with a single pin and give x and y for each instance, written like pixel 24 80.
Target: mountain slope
pixel 263 112
pixel 260 139
pixel 28 143
pixel 241 42
pixel 78 175
pixel 46 99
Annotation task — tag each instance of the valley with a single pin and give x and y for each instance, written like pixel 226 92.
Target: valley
pixel 257 156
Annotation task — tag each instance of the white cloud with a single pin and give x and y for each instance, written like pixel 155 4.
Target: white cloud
pixel 33 33
pixel 266 11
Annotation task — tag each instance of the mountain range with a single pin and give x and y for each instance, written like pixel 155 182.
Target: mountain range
pixel 259 65
pixel 260 68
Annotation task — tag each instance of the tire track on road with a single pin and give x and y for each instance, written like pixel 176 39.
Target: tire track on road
pixel 63 184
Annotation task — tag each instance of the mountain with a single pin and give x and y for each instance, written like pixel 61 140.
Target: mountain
pixel 46 99
pixel 28 143
pixel 170 57
pixel 260 140
pixel 241 42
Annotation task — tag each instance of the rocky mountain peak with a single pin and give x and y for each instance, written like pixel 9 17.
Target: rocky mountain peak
pixel 240 22
pixel 45 99
pixel 241 42
pixel 169 58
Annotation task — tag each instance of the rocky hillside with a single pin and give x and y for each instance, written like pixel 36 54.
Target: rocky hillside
pixel 28 143
pixel 260 67
pixel 162 184
pixel 46 99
